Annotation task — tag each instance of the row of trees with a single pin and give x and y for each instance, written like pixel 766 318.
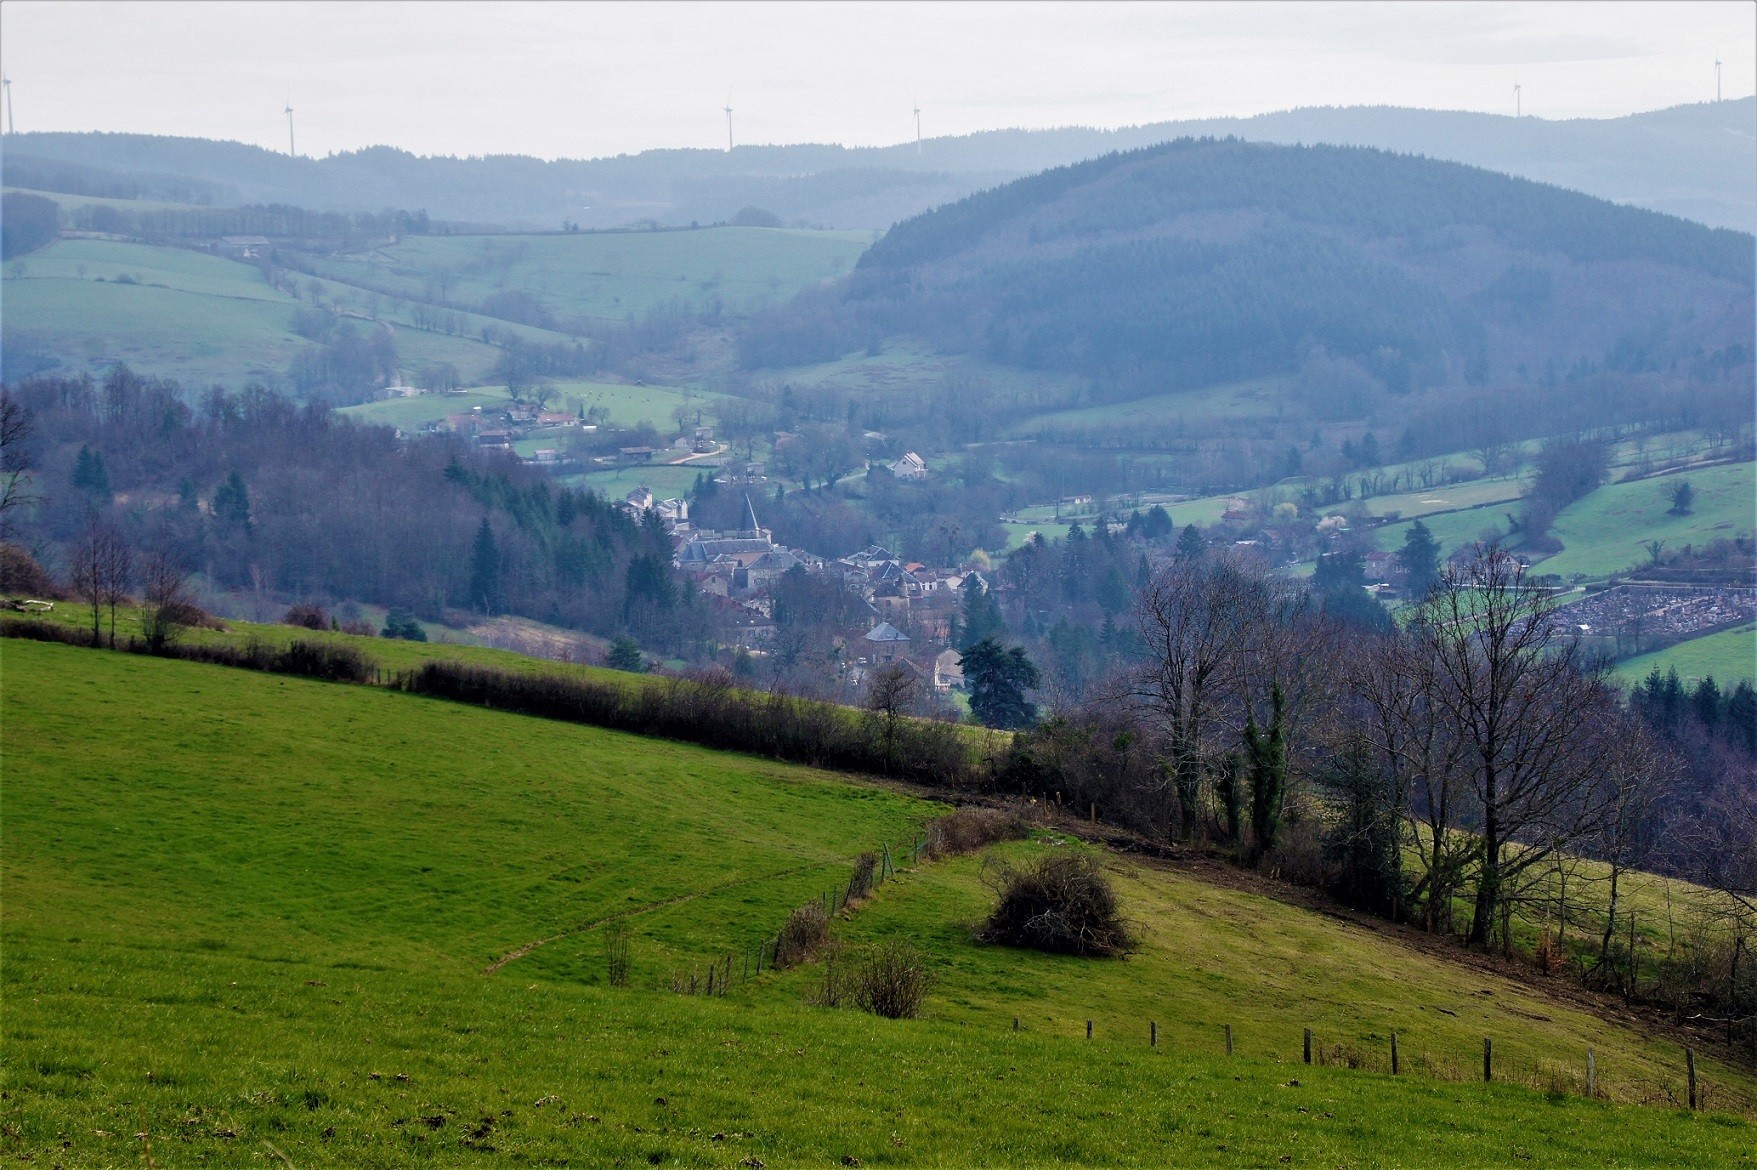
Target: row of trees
pixel 1449 764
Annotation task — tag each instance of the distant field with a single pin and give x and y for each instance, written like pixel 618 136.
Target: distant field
pixel 186 315
pixel 252 943
pixel 1728 656
pixel 611 276
pixel 1234 400
pixel 1604 532
pixel 628 405
pixel 665 482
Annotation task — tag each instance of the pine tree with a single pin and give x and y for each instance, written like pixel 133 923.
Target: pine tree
pixel 1420 558
pixel 625 654
pixel 485 570
pixel 90 475
pixel 997 680
pixel 232 503
pixel 1190 544
pixel 980 619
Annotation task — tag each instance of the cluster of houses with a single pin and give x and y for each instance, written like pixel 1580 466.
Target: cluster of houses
pixel 910 607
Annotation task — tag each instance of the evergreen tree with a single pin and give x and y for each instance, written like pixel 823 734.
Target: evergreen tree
pixel 997 680
pixel 981 617
pixel 485 570
pixel 232 503
pixel 625 654
pixel 1420 558
pixel 1190 544
pixel 400 623
pixel 90 476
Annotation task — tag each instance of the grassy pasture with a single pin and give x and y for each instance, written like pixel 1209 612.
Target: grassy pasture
pixel 1727 656
pixel 628 405
pixel 249 916
pixel 612 275
pixel 1258 398
pixel 1604 532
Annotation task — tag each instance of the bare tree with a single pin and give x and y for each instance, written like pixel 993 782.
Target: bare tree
pixel 170 603
pixel 1522 696
pixel 893 693
pixel 15 470
pixel 1197 619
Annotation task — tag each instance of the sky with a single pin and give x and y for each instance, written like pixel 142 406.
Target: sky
pixel 584 80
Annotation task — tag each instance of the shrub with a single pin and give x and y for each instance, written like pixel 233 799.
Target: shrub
pixel 306 616
pixel 1061 903
pixel 892 981
pixel 968 829
pixel 860 885
pixel 806 929
pixel 21 576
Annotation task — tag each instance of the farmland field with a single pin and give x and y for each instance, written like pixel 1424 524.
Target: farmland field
pixel 611 276
pixel 627 405
pixel 236 941
pixel 1727 657
pixel 1604 533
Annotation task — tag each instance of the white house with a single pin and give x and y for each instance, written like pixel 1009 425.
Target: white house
pixel 911 466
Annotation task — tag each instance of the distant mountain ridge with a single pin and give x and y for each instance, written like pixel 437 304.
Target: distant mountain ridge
pixel 1694 161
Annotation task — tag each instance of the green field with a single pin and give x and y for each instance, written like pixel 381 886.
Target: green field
pixel 1727 657
pixel 1604 533
pixel 253 918
pixel 628 406
pixel 611 275
pixel 1237 400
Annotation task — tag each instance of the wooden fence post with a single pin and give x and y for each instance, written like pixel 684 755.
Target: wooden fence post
pixel 1488 1059
pixel 1393 1053
pixel 1088 1029
pixel 1229 1039
pixel 1095 812
pixel 1690 1068
pixel 1308 1049
pixel 1153 1042
pixel 1591 1075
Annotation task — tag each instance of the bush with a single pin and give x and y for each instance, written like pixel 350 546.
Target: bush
pixel 1062 904
pixel 860 885
pixel 306 616
pixel 892 981
pixel 21 576
pixel 968 829
pixel 806 929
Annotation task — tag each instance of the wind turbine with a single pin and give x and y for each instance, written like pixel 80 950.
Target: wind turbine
pixel 728 109
pixel 1518 109
pixel 291 150
pixel 1716 80
pixel 917 125
pixel 10 129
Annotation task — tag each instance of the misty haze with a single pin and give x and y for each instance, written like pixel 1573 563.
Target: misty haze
pixel 950 584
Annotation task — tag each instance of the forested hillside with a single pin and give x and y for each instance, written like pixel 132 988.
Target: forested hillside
pixel 1204 261
pixel 265 495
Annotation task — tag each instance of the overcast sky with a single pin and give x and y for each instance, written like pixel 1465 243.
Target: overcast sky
pixel 583 80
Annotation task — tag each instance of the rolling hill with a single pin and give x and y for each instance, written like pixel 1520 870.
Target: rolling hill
pixel 1205 262
pixel 1692 160
pixel 228 940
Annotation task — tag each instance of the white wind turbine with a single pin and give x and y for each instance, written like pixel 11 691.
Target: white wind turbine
pixel 291 149
pixel 728 108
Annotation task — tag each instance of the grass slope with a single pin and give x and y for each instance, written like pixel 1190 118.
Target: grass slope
pixel 1604 532
pixel 1727 657
pixel 248 917
pixel 613 275
pixel 628 405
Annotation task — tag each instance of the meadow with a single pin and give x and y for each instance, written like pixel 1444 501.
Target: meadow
pixel 627 405
pixel 610 276
pixel 252 918
pixel 1606 532
pixel 1727 657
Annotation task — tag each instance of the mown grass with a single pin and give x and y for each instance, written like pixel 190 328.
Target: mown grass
pixel 628 406
pixel 1727 657
pixel 1605 532
pixel 241 909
